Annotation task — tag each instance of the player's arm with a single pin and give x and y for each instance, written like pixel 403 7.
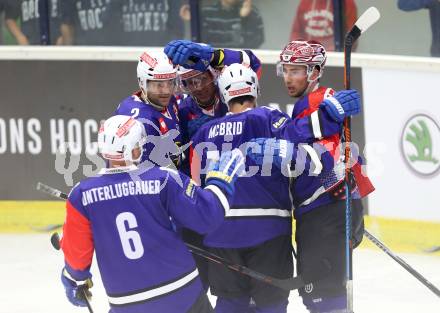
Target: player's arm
pixel 291 158
pixel 203 209
pixel 199 56
pixel 324 122
pixel 225 57
pixel 301 130
pixel 77 246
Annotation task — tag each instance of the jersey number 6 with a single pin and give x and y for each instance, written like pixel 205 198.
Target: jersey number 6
pixel 130 239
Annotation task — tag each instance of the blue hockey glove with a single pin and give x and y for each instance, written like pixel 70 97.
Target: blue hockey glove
pixel 225 171
pixel 76 290
pixel 195 124
pixel 270 150
pixel 344 103
pixel 189 54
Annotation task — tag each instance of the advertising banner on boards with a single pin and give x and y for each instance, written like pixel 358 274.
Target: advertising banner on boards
pixel 51 112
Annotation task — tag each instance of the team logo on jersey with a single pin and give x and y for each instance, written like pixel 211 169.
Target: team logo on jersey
pixel 420 144
pixel 190 189
pixel 308 288
pixel 279 123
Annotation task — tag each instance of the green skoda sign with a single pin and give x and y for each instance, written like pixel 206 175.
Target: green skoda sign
pixel 421 144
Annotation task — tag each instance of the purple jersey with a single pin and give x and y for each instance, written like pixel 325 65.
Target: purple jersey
pixel 162 127
pixel 261 206
pixel 126 216
pixel 192 116
pixel 310 192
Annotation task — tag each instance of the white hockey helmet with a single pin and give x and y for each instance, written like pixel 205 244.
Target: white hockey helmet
pixel 237 80
pixel 154 65
pixel 118 136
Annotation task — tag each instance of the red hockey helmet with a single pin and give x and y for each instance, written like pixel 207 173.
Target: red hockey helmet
pixel 300 52
pixel 304 52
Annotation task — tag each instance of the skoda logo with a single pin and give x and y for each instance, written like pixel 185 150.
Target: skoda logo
pixel 308 288
pixel 421 144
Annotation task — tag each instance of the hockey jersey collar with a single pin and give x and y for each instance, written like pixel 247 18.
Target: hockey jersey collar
pixel 116 170
pixel 230 113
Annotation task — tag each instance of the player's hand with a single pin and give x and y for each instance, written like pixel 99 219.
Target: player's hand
pixel 342 104
pixel 195 124
pixel 246 8
pixel 76 290
pixel 189 54
pixel 270 150
pixel 224 172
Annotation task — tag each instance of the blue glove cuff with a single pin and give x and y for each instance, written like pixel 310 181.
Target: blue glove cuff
pixel 78 274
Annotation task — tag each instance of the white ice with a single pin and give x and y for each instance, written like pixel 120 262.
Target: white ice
pixel 30 281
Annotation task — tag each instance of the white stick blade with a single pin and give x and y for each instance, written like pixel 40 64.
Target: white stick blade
pixel 368 18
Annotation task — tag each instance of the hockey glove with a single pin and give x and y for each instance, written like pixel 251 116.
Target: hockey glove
pixel 270 150
pixel 225 171
pixel 195 124
pixel 189 54
pixel 342 104
pixel 76 290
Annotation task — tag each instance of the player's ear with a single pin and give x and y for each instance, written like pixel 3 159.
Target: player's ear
pixel 136 153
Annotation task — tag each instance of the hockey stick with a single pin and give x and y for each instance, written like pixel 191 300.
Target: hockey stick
pixel 51 191
pixel 286 284
pixel 55 241
pixel 368 18
pixel 405 265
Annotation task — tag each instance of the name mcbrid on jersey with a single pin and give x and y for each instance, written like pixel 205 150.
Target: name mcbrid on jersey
pixel 226 128
pixel 120 190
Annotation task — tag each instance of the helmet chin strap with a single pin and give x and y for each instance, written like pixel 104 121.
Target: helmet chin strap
pixel 313 84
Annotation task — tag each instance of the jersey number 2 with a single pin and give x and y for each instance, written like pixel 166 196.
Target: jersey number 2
pixel 130 239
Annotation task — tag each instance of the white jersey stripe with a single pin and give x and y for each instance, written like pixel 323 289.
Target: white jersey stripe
pixel 258 212
pixel 314 159
pixel 142 296
pixel 316 126
pixel 220 195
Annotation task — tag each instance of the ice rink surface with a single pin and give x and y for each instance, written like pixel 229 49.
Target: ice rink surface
pixel 30 283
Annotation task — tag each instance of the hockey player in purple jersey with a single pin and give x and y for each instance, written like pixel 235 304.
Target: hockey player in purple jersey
pixel 319 200
pixel 203 102
pixel 125 216
pixel 156 107
pixel 257 229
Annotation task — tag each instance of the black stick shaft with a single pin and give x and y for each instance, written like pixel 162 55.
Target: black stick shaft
pixel 281 283
pixel 348 208
pixel 405 265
